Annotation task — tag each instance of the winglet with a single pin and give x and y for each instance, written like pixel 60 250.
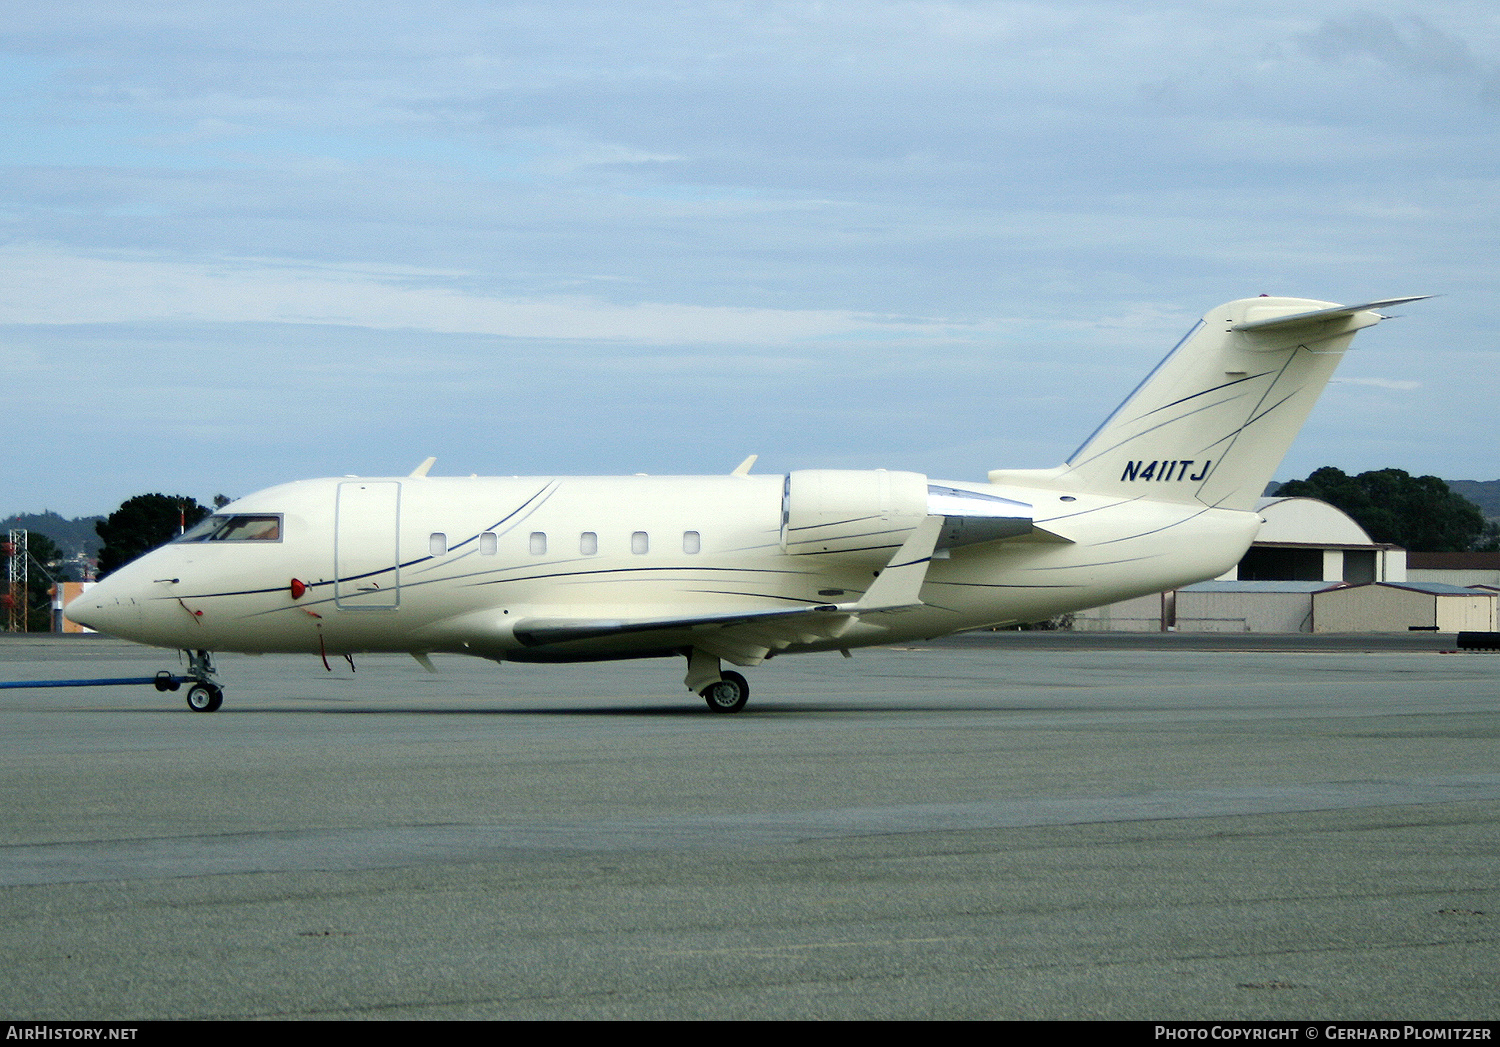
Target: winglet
pixel 900 584
pixel 743 469
pixel 421 470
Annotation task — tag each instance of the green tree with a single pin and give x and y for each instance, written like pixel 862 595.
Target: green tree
pixel 1418 513
pixel 141 524
pixel 48 567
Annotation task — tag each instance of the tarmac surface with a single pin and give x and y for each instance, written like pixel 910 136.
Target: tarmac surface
pixel 992 826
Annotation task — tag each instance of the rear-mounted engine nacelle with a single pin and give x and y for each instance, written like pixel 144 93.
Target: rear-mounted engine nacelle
pixel 856 511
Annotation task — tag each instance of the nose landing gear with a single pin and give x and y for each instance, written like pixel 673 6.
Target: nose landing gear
pixel 205 695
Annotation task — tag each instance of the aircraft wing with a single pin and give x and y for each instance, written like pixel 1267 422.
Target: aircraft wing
pixel 745 637
pixel 536 632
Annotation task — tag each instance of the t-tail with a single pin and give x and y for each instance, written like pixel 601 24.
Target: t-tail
pixel 1212 422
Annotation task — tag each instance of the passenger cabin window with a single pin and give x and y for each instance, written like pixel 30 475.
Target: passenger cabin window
pixel 489 541
pixel 691 542
pixel 640 543
pixel 588 543
pixel 260 528
pixel 437 543
pixel 538 543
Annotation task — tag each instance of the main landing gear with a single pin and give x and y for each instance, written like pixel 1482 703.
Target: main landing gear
pixel 728 695
pixel 724 692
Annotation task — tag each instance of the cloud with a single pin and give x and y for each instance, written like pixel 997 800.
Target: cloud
pixel 38 286
pixel 1411 46
pixel 980 221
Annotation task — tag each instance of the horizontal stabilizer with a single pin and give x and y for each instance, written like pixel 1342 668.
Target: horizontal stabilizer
pixel 1322 315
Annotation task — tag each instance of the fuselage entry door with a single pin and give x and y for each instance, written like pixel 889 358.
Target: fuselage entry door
pixel 367 545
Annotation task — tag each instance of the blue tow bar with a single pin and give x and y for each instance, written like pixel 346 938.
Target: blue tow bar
pixel 163 681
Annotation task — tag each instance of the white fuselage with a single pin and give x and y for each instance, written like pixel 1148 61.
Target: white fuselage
pixel 425 564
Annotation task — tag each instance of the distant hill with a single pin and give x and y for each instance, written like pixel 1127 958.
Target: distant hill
pixel 1483 493
pixel 72 536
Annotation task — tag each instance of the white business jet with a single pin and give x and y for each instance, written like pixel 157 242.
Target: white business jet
pixel 741 568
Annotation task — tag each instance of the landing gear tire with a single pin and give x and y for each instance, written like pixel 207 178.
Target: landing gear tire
pixel 204 697
pixel 728 695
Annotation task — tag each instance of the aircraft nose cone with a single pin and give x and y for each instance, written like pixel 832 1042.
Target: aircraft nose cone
pixel 104 612
pixel 77 610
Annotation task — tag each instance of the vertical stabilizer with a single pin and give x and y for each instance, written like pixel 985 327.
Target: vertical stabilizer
pixel 1212 422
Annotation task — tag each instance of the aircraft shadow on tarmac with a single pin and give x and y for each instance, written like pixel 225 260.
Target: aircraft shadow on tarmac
pixel 764 711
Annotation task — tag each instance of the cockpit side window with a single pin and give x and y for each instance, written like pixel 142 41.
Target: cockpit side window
pixel 259 528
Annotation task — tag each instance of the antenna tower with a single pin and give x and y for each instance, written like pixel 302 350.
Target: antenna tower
pixel 16 596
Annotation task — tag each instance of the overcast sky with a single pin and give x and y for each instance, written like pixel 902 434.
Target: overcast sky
pixel 250 243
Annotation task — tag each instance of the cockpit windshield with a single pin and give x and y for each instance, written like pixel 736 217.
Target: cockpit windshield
pixel 260 528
